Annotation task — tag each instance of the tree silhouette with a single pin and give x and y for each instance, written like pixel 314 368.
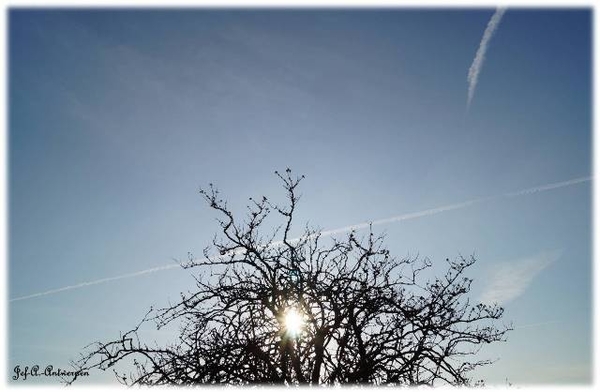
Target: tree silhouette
pixel 309 310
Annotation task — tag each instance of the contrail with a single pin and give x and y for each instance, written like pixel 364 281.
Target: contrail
pixel 538 324
pixel 477 64
pixel 93 282
pixel 548 187
pixel 399 218
pixel 457 206
pixel 358 226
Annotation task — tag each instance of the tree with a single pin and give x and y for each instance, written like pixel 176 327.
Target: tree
pixel 308 310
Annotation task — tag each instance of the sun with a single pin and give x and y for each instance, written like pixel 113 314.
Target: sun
pixel 293 322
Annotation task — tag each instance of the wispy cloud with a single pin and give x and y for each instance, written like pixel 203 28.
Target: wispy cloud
pixel 475 69
pixel 510 280
pixel 345 229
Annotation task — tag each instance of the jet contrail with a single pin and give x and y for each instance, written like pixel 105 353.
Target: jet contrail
pixel 98 281
pixel 358 226
pixel 399 218
pixel 548 187
pixel 456 206
pixel 538 324
pixel 477 64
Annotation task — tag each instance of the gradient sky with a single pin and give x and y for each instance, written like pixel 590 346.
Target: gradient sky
pixel 117 117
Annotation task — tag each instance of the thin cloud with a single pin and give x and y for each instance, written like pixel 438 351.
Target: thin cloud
pixel 475 69
pixel 510 280
pixel 345 229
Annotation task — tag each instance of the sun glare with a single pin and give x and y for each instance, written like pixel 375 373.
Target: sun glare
pixel 293 322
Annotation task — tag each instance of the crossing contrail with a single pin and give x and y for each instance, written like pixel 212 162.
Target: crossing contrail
pixel 358 226
pixel 477 64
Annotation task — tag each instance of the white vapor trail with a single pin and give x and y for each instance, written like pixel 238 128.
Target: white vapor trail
pixel 359 226
pixel 544 323
pixel 457 206
pixel 98 281
pixel 477 64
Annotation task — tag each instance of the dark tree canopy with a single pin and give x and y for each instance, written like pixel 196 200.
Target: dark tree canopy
pixel 310 310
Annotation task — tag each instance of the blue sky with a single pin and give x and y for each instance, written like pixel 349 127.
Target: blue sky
pixel 117 117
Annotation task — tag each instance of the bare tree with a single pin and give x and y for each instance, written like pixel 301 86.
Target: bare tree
pixel 309 310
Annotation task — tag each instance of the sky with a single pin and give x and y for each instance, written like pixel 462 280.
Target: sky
pixel 456 131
